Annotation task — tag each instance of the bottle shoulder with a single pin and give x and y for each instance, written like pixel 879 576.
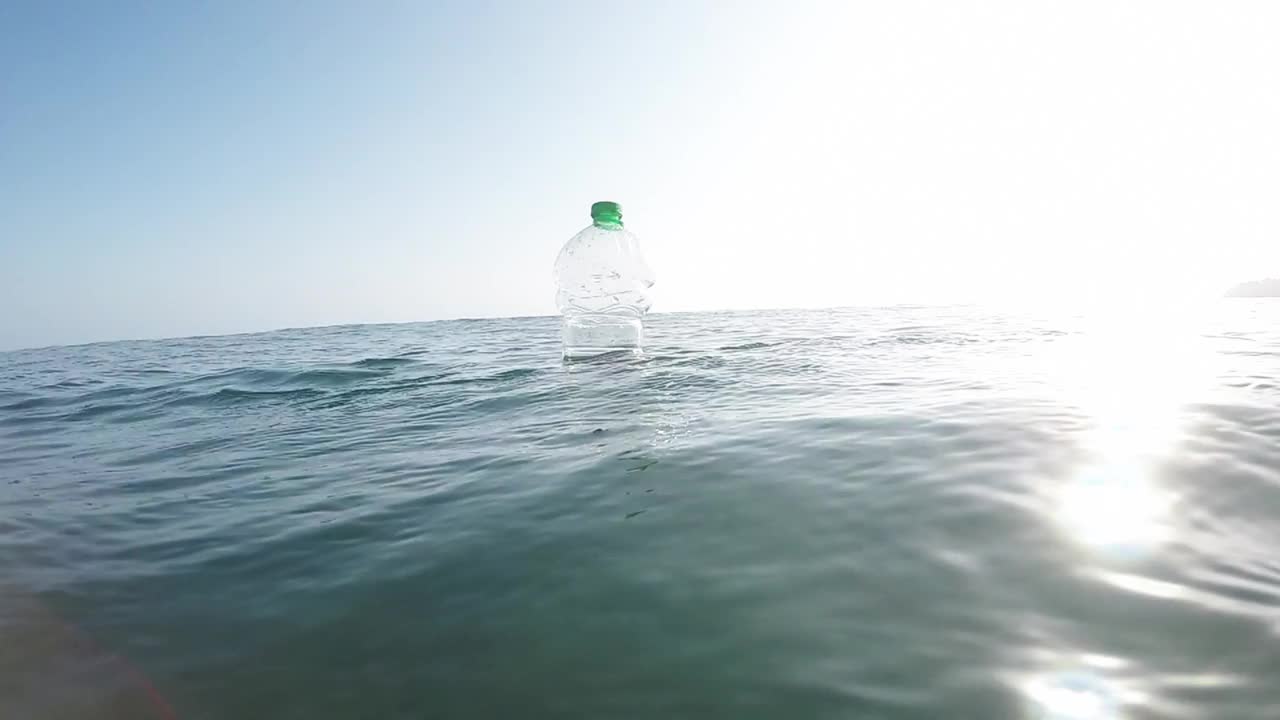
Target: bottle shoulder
pixel 600 245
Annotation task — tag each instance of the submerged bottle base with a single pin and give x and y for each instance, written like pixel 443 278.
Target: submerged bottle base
pixel 590 335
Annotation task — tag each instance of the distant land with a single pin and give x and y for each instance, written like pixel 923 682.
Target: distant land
pixel 1256 288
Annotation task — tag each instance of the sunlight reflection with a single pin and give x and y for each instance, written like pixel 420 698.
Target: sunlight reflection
pixel 1115 509
pixel 1144 585
pixel 1133 376
pixel 1073 695
pixel 1081 686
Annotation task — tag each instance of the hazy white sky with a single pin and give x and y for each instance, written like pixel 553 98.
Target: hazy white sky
pixel 169 170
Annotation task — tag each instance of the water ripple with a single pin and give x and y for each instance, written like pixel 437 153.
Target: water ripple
pixel 884 513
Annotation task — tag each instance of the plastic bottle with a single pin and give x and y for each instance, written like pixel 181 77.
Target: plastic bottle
pixel 602 285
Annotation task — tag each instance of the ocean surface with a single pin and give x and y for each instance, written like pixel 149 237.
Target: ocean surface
pixel 887 513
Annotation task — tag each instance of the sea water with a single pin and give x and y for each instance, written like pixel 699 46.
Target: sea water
pixel 866 513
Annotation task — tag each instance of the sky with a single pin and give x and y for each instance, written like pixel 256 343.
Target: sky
pixel 181 168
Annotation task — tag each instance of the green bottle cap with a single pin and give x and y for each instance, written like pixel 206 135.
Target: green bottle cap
pixel 606 214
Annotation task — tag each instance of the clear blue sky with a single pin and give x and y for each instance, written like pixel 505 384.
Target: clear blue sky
pixel 173 168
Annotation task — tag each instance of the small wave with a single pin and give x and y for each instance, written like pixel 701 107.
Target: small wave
pixel 513 374
pixel 503 376
pixel 383 363
pixel 72 384
pixel 164 453
pixel 265 379
pixel 92 412
pixel 29 403
pixel 23 431
pixel 112 393
pixel 232 396
pixel 924 339
pixel 399 389
pixel 331 377
pixel 150 371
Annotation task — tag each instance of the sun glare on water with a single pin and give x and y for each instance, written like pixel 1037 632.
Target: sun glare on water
pixel 1132 375
pixel 1129 374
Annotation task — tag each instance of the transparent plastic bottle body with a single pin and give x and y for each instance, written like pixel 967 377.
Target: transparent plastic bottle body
pixel 602 286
